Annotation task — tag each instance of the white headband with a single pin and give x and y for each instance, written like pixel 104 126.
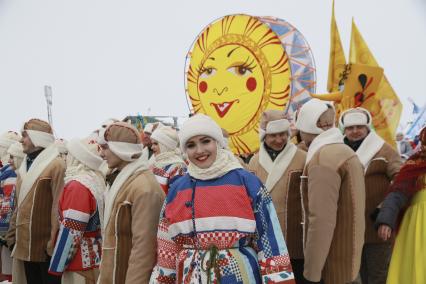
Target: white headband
pixel 351 118
pixel 162 138
pixel 128 152
pixel 354 118
pixel 79 151
pixel 40 138
pixel 275 126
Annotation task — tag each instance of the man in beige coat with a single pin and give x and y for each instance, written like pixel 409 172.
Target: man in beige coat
pixel 133 201
pixel 35 223
pixel 279 165
pixel 381 163
pixel 333 195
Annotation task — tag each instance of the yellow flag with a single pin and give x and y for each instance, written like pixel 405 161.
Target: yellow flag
pixel 385 106
pixel 337 61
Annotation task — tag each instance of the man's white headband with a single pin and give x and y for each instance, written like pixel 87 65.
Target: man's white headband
pixel 40 138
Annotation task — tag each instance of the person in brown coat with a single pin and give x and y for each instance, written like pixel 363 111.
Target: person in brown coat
pixel 35 223
pixel 381 163
pixel 279 165
pixel 133 201
pixel 333 196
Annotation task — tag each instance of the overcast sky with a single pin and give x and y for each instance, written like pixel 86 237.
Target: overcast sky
pixel 114 58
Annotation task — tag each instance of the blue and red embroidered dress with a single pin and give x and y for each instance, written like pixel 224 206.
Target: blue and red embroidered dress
pixel 7 197
pixel 78 244
pixel 221 229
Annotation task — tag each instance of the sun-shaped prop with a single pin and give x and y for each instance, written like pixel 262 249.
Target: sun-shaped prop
pixel 237 68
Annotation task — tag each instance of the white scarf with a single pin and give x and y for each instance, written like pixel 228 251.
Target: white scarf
pixel 167 158
pixel 369 147
pixel 111 192
pixel 145 154
pixel 37 167
pixel 225 162
pixel 330 136
pixel 276 168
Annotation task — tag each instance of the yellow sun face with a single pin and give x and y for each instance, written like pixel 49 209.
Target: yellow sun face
pixel 238 68
pixel 231 84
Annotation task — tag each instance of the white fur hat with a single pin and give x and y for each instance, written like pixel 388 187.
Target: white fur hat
pixel 86 152
pixel 309 114
pixel 61 146
pixel 200 124
pixel 16 150
pixel 355 116
pixel 148 128
pixel 167 136
pixel 272 122
pixel 108 122
pixel 8 138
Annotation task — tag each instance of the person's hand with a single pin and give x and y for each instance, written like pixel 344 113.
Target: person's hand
pixel 384 232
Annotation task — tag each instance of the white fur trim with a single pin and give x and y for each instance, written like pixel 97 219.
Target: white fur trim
pixel 330 136
pixel 277 126
pixel 61 145
pixel 354 118
pixel 5 142
pixel 276 169
pixel 29 178
pixel 38 166
pixel 160 136
pixel 16 150
pixel 108 122
pixel 40 138
pixel 369 148
pixel 111 192
pixel 101 137
pixel 125 151
pixel 148 128
pixel 262 134
pixel 309 114
pixel 200 124
pixel 145 154
pixel 79 151
pixel 343 117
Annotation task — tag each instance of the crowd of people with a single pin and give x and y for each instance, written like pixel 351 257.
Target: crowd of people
pixel 318 203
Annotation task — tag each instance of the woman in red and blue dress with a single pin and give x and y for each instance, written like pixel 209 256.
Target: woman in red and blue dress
pixel 218 223
pixel 77 253
pixel 8 180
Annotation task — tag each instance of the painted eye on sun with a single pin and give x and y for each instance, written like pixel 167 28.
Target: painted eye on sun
pixel 207 72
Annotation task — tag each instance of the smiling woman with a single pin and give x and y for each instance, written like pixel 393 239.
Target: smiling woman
pixel 218 223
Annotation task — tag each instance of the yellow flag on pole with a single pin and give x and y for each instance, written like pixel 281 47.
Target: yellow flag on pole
pixel 337 61
pixel 385 106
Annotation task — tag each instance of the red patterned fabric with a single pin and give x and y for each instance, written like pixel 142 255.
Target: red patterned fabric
pixel 407 180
